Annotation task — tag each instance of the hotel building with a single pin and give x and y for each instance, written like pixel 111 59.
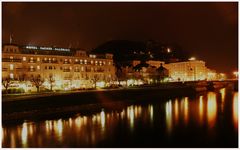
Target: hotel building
pixel 70 68
pixel 191 70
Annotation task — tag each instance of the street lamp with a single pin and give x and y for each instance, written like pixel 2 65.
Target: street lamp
pixel 235 73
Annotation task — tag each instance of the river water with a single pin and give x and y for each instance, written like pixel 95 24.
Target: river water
pixel 207 120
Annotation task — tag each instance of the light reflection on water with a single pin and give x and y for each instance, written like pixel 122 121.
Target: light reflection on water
pixel 88 130
pixel 211 108
pixel 169 116
pixel 201 110
pixel 235 110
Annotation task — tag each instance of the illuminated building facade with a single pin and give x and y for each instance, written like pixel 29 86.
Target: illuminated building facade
pixel 191 70
pixel 69 68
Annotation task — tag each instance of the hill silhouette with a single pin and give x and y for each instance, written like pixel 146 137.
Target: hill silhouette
pixel 125 51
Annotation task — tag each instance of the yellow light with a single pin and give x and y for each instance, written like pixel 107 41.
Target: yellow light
pixel 168 50
pixel 235 74
pixel 192 58
pixel 211 108
pixel 235 110
pixel 24 134
pixel 100 84
pixel 168 109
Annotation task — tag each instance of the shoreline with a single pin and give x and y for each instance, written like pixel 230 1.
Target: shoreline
pixel 70 103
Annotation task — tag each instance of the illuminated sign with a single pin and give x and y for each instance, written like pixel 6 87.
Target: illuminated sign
pixel 31 47
pixel 48 48
pixel 45 48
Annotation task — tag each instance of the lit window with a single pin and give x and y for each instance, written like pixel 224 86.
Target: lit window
pixel 31 67
pixel 38 67
pixel 11 66
pixel 38 59
pixel 11 75
pixel 91 62
pixel 82 68
pixel 45 59
pixel 11 57
pixel 109 63
pixel 96 62
pixel 85 61
pixel 31 58
pixel 70 68
pixel 24 58
pixel 76 60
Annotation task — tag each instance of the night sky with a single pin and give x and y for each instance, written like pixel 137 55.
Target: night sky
pixel 208 30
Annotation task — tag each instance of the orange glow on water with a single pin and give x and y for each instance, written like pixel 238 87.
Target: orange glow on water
pixel 168 108
pixel 201 109
pixel 176 111
pixel 185 110
pixel 235 110
pixel 211 109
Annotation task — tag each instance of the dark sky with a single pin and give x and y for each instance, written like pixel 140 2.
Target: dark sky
pixel 208 30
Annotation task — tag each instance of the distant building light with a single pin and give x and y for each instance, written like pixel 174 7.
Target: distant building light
pixel 168 50
pixel 192 58
pixel 31 47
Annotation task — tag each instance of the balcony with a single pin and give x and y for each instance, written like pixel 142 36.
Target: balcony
pixel 76 70
pixel 31 69
pixel 32 61
pixel 11 60
pixel 21 69
pixel 49 61
pixel 66 70
pixel 4 69
pixel 99 70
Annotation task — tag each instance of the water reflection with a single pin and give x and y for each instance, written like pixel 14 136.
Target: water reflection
pixel 235 110
pixel 169 116
pixel 91 130
pixel 211 108
pixel 186 109
pixel 130 114
pixel 176 111
pixel 150 110
pixel 223 95
pixel 58 128
pixel 201 110
pixel 24 134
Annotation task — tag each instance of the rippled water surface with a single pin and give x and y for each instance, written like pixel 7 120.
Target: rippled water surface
pixel 208 120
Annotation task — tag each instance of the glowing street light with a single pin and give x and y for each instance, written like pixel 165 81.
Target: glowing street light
pixel 235 73
pixel 168 50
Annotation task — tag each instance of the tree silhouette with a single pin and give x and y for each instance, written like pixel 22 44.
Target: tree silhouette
pixel 37 81
pixel 6 82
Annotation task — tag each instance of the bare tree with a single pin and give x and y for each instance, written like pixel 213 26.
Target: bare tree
pixel 6 82
pixel 37 81
pixel 51 81
pixel 94 80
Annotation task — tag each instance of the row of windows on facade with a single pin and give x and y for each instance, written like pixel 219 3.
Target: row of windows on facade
pixel 86 76
pixel 65 60
pixel 11 66
pixel 11 50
